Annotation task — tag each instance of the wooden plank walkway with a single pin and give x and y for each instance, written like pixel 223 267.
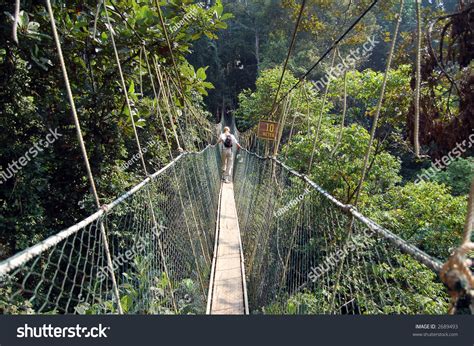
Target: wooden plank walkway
pixel 227 294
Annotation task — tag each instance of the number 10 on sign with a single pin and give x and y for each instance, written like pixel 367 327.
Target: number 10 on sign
pixel 267 130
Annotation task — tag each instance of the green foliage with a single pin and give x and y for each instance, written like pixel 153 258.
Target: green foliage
pixel 137 296
pixel 429 294
pixel 19 306
pixel 363 89
pixel 338 163
pixel 426 214
pixel 52 191
pixel 259 42
pixel 425 294
pixel 257 105
pixel 340 173
pixel 458 176
pixel 302 303
pixel 196 79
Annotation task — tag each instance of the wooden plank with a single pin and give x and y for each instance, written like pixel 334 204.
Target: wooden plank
pixel 228 289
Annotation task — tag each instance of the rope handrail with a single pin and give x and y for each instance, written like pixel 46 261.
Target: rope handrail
pixel 27 254
pixel 431 262
pixel 296 240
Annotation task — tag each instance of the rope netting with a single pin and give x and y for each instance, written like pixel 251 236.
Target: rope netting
pixel 310 264
pixel 160 267
pixel 150 250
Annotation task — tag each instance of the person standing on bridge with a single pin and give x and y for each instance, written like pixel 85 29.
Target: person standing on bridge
pixel 228 140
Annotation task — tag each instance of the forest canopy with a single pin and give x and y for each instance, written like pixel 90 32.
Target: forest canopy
pixel 383 120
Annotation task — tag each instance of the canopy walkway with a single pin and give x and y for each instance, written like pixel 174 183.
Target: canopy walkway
pixel 227 288
pixel 188 257
pixel 181 242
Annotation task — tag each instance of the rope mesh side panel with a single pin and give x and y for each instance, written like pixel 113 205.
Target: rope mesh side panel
pixel 300 261
pixel 72 276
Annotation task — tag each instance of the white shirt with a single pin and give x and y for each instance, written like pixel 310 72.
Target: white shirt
pixel 223 137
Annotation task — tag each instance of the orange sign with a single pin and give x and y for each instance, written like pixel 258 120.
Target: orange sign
pixel 267 130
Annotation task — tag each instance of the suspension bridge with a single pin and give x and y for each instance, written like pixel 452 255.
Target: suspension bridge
pixel 183 242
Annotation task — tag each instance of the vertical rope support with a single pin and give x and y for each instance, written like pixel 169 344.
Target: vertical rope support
pixel 167 90
pixel 159 77
pixel 379 105
pixel 180 196
pixel 290 247
pixel 290 49
pixel 96 18
pixel 140 71
pixel 308 113
pixel 16 20
pixel 160 248
pixel 173 60
pixel 321 114
pixel 290 136
pixel 285 110
pixel 416 132
pixel 350 222
pixel 192 109
pixel 84 152
pixel 153 215
pixel 343 120
pixel 188 193
pixel 137 140
pixel 158 110
pixel 168 42
pixel 124 87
